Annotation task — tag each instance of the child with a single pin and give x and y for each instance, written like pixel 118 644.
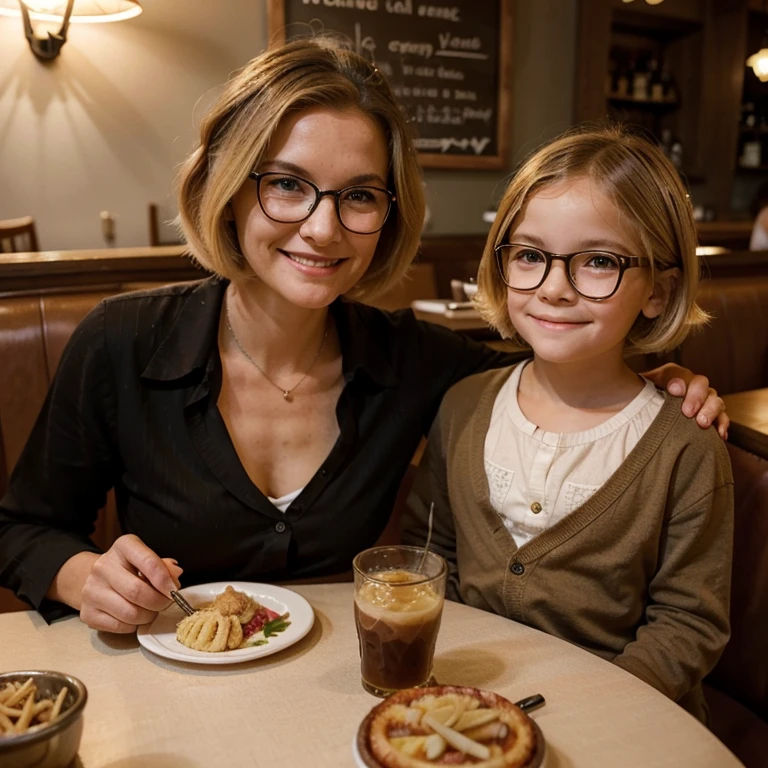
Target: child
pixel 569 493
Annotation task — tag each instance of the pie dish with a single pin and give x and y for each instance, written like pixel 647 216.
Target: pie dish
pixel 448 725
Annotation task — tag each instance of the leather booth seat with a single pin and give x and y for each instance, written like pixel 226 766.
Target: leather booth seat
pixel 34 329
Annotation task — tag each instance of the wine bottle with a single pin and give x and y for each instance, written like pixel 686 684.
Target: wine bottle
pixel 623 79
pixel 676 153
pixel 655 85
pixel 668 85
pixel 640 82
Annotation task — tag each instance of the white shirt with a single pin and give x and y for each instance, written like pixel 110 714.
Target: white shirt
pixel 536 478
pixel 285 501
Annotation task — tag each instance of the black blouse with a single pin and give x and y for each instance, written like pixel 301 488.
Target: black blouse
pixel 133 407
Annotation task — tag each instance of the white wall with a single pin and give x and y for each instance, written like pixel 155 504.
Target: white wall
pixel 104 125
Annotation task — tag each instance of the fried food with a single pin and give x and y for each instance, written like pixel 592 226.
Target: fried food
pixel 209 630
pixel 233 620
pixel 233 603
pixel 419 728
pixel 21 711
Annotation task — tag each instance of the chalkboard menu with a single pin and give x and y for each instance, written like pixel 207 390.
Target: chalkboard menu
pixel 448 62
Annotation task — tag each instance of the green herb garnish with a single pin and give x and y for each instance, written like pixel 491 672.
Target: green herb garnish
pixel 280 624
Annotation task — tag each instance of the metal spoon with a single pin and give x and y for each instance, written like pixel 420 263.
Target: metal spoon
pixel 429 537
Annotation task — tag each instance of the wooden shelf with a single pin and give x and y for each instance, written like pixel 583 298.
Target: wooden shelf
pixel 642 103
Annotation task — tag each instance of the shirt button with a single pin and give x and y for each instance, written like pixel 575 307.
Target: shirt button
pixel 517 568
pixel 323 472
pixel 535 507
pixel 280 527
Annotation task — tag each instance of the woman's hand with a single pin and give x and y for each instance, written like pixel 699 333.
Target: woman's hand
pixel 700 401
pixel 123 588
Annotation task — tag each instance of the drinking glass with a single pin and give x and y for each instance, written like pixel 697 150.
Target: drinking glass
pixel 399 595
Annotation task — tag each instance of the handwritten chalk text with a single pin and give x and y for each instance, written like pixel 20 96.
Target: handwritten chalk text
pixel 477 145
pixel 358 5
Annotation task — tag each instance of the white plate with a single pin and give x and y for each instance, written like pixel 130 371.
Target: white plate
pixel 356 753
pixel 160 636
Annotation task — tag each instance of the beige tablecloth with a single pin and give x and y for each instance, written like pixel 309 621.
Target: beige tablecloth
pixel 301 707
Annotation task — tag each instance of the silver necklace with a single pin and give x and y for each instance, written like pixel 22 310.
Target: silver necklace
pixel 287 393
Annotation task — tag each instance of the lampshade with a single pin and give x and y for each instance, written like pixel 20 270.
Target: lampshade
pixel 759 63
pixel 83 12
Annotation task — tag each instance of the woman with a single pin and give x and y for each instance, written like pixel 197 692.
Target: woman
pixel 255 425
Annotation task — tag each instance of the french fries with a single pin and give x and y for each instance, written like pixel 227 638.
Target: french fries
pixel 21 711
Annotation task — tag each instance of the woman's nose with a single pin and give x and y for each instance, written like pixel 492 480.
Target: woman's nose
pixel 323 226
pixel 557 287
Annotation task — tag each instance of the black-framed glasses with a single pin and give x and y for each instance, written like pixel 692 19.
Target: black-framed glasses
pixel 595 275
pixel 289 199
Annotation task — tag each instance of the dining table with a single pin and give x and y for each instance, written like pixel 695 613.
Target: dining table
pixel 301 707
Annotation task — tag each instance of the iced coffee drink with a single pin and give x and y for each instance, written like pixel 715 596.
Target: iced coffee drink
pixel 399 596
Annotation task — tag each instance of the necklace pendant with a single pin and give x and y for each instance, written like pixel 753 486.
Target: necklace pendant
pixel 287 396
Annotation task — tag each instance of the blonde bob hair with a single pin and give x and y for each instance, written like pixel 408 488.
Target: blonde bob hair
pixel 236 132
pixel 647 191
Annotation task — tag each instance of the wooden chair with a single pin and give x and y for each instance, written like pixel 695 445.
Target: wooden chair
pixel 154 227
pixel 18 235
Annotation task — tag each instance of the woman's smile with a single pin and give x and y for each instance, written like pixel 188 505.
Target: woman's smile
pixel 310 263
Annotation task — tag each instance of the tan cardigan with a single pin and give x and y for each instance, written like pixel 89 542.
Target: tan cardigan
pixel 639 574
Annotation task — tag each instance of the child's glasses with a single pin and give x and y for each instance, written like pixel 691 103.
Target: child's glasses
pixel 595 275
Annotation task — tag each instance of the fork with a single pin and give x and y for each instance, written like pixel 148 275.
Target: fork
pixel 181 601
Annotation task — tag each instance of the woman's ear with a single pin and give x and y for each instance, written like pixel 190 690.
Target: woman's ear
pixel 664 285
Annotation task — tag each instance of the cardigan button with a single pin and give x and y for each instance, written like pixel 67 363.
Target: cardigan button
pixel 517 568
pixel 536 507
pixel 280 527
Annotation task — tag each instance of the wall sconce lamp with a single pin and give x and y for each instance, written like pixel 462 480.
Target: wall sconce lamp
pixel 759 62
pixel 62 13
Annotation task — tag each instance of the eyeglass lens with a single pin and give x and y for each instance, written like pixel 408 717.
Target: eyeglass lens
pixel 594 274
pixel 289 199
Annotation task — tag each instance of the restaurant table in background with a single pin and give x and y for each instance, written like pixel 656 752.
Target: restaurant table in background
pixel 748 412
pixel 467 322
pixel 302 707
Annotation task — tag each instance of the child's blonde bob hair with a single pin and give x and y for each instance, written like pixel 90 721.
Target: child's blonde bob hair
pixel 645 188
pixel 236 132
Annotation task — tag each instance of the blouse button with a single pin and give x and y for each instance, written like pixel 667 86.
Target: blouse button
pixel 280 527
pixel 517 568
pixel 535 507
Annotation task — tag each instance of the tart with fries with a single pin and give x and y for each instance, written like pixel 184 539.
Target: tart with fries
pixel 448 725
